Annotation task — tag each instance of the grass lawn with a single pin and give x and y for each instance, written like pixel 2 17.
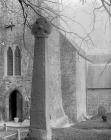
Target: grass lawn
pixel 93 124
pixel 3 133
pixel 94 129
pixel 81 134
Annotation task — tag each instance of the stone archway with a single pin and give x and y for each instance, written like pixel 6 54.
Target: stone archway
pixel 15 105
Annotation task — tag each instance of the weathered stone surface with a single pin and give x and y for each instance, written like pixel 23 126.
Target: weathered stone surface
pixel 98 76
pixel 81 87
pixel 68 77
pixel 99 84
pixel 100 58
pixel 39 134
pixel 38 93
pixel 96 98
pixel 41 28
pixel 53 76
pixel 9 83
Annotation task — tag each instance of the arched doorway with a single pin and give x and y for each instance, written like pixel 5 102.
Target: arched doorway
pixel 15 105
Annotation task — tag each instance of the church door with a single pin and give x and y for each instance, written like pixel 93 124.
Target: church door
pixel 15 105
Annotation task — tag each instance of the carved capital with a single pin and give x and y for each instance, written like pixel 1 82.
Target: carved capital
pixel 41 28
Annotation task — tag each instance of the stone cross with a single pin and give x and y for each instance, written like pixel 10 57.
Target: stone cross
pixel 39 112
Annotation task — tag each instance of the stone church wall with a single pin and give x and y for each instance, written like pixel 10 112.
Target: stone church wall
pixel 22 83
pixel 97 97
pixel 99 84
pixel 68 77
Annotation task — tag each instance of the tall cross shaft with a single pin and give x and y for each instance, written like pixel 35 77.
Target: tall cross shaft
pixel 39 108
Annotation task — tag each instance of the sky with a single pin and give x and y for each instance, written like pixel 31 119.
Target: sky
pixel 80 20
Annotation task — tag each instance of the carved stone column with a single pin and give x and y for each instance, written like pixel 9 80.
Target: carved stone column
pixel 40 129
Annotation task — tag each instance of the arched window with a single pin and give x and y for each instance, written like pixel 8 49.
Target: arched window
pixel 17 61
pixel 9 62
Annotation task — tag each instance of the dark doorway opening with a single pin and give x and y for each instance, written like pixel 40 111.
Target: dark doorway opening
pixel 15 105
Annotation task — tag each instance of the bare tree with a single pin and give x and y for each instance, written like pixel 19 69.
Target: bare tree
pixel 105 3
pixel 51 10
